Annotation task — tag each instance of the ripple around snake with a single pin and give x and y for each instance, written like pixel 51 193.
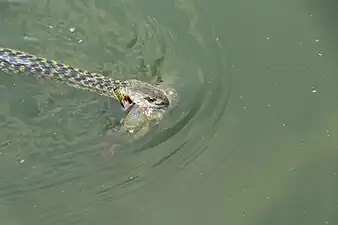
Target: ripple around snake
pixel 204 90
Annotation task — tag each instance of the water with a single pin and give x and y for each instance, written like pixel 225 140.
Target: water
pixel 252 140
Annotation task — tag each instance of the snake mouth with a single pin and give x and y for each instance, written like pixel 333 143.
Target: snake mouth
pixel 126 103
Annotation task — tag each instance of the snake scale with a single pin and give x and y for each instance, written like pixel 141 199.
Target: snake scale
pixel 128 91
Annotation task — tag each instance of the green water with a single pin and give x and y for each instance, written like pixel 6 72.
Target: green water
pixel 252 140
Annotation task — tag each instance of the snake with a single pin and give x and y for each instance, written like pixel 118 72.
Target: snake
pixel 128 93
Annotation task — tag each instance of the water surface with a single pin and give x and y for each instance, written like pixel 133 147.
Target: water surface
pixel 252 140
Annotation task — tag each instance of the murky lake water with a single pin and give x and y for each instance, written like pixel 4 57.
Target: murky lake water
pixel 251 141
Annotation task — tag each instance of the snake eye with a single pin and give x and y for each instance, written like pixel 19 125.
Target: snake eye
pixel 150 99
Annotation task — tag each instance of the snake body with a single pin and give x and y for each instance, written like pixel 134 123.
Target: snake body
pixel 17 62
pixel 141 93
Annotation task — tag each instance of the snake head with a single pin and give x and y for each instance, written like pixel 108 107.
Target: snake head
pixel 142 94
